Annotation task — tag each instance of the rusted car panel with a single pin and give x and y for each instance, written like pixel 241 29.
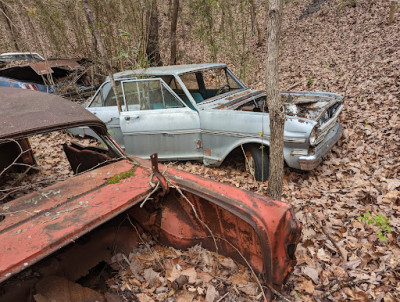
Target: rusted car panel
pixel 50 219
pixel 246 226
pixel 63 76
pixel 47 220
pixel 186 210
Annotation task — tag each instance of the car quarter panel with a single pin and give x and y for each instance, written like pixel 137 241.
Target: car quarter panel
pixel 224 130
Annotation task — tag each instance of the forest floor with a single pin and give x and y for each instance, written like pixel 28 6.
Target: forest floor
pixel 345 47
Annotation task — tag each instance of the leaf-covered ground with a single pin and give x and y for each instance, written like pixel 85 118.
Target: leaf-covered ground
pixel 347 49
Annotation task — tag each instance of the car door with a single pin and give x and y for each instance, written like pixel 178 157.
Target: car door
pixel 104 106
pixel 157 120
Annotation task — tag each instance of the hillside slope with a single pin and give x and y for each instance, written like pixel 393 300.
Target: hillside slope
pixel 352 51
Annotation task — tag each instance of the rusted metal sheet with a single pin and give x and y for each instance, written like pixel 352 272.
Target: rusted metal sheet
pixel 41 224
pixel 28 112
pixel 272 222
pixel 45 67
pixel 39 67
pixel 264 231
pixel 244 225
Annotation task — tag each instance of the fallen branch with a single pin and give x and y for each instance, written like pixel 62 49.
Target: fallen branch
pixel 157 256
pixel 351 283
pixel 343 285
pixel 195 213
pixel 284 298
pixel 330 238
pixel 244 259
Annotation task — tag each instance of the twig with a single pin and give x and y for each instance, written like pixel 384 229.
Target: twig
pixel 330 238
pixel 294 85
pixel 19 155
pixel 248 264
pixel 241 255
pixel 151 193
pixel 356 282
pixel 343 285
pixel 145 243
pixel 279 294
pixel 247 163
pixel 220 299
pixel 195 214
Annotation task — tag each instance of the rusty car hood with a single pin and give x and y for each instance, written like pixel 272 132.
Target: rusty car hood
pixel 309 105
pixel 25 112
pixel 34 70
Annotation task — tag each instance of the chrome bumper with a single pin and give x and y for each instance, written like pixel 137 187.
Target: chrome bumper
pixel 309 162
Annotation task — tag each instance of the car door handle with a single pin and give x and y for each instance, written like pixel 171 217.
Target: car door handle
pixel 127 118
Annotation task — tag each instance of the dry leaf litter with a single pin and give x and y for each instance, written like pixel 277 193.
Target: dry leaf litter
pixel 153 272
pixel 350 50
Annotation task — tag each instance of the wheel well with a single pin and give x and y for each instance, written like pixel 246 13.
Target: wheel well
pixel 239 151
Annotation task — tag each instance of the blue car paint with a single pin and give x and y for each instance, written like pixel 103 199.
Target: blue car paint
pixel 8 82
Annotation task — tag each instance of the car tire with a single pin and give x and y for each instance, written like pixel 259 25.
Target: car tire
pixel 257 161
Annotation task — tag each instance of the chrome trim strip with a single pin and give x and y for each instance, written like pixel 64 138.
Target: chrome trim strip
pixel 219 133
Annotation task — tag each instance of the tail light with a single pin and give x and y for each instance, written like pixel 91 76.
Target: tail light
pixel 29 86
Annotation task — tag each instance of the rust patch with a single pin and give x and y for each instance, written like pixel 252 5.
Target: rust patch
pixel 207 152
pixel 199 144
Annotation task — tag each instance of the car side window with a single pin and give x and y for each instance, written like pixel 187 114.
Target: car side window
pixel 150 94
pixel 106 97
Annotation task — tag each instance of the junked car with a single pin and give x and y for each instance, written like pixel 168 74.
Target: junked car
pixel 82 219
pixel 65 77
pixel 204 112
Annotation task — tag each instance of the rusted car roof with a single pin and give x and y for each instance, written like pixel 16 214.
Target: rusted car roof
pixel 25 112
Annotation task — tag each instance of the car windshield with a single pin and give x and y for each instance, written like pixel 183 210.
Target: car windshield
pixel 208 83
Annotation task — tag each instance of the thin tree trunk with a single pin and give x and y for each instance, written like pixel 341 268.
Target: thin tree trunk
pixel 275 106
pixel 6 16
pixel 174 21
pixel 104 58
pixel 255 27
pixel 392 11
pixel 152 47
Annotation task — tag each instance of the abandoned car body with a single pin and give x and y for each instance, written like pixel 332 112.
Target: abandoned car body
pixel 65 77
pixel 203 112
pixel 109 186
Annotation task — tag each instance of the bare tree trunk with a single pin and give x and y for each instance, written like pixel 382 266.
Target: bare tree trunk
pixel 392 11
pixel 104 58
pixel 152 47
pixel 275 106
pixel 255 27
pixel 6 16
pixel 174 21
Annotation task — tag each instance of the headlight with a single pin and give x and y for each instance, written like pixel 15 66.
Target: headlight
pixel 313 136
